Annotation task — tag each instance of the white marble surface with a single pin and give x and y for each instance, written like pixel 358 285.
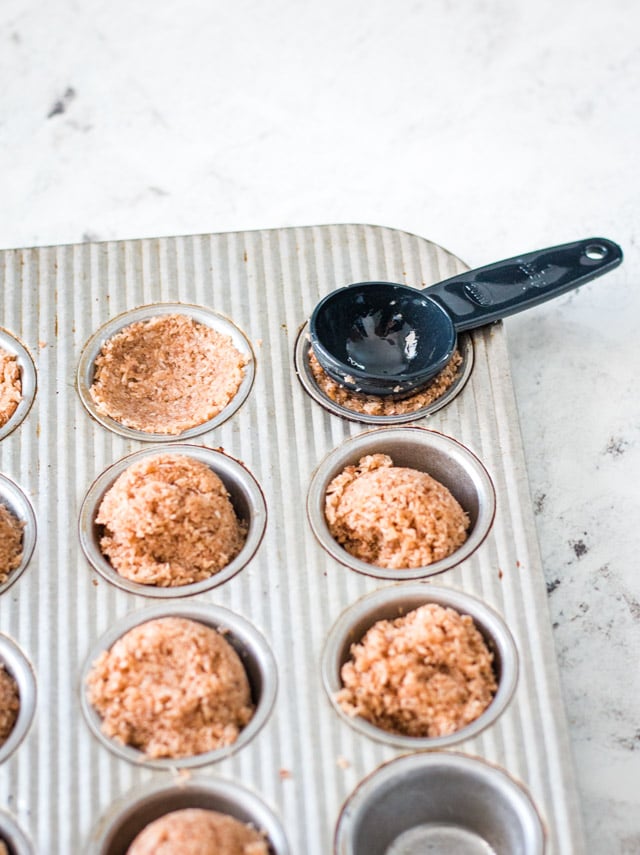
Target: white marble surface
pixel 491 127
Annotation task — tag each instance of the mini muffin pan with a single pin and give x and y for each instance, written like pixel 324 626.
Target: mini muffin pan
pixel 293 601
pixel 245 496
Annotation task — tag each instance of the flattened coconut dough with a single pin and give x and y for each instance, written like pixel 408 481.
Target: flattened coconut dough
pixel 9 704
pixel 168 521
pixel 171 687
pixel 194 831
pixel 393 516
pixel 426 674
pixel 166 375
pixel 11 536
pixel 10 386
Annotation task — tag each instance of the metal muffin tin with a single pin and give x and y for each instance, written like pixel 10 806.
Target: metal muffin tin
pixel 14 836
pixel 63 785
pixel 245 496
pixel 249 644
pixel 390 603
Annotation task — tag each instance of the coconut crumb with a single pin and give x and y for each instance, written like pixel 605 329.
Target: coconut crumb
pixel 377 405
pixel 166 375
pixel 9 704
pixel 168 521
pixel 195 831
pixel 171 687
pixel 426 674
pixel 11 537
pixel 10 385
pixel 3 848
pixel 393 516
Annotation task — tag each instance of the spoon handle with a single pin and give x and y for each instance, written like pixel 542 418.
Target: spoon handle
pixel 503 288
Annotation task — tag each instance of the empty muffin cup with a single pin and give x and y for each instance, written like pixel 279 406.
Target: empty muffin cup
pixel 397 601
pixel 369 410
pixel 114 835
pixel 245 495
pixel 17 666
pixel 221 326
pixel 446 460
pixel 14 838
pixel 254 654
pixel 439 802
pixel 14 351
pixel 19 508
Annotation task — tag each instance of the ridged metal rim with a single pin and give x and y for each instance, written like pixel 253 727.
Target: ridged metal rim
pixel 309 384
pixel 215 320
pixel 415 439
pixel 243 489
pixel 14 836
pixel 386 776
pixel 17 502
pixel 17 664
pixel 144 804
pixel 28 380
pixel 395 601
pixel 256 656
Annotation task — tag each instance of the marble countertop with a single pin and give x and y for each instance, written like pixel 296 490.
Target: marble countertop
pixel 489 127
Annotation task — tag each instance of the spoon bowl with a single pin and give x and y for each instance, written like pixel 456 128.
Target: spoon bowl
pixel 383 338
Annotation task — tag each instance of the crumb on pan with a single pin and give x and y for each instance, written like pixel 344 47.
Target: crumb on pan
pixel 11 537
pixel 195 831
pixel 171 687
pixel 426 674
pixel 393 516
pixel 168 521
pixel 10 386
pixel 166 375
pixel 376 405
pixel 9 704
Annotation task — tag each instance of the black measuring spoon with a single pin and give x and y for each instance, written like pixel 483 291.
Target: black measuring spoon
pixel 382 338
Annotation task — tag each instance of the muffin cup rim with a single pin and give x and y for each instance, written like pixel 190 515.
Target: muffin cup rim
pixel 105 480
pixel 28 379
pixel 216 617
pixel 19 666
pixel 324 472
pixel 487 621
pixel 12 833
pixel 93 345
pixel 19 501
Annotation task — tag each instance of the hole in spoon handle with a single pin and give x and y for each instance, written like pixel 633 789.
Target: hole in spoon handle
pixel 503 288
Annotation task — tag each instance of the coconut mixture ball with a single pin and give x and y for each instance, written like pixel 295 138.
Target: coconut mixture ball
pixel 11 535
pixel 171 687
pixel 168 521
pixel 166 375
pixel 9 704
pixel 10 386
pixel 194 831
pixel 393 516
pixel 428 673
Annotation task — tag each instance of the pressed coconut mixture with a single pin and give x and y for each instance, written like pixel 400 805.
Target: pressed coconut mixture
pixel 171 687
pixel 168 521
pixel 393 516
pixel 194 831
pixel 166 375
pixel 426 674
pixel 9 704
pixel 3 848
pixel 376 405
pixel 10 386
pixel 11 534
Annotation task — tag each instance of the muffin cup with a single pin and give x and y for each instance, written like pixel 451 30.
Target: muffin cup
pixel 249 644
pixel 396 601
pixel 200 314
pixel 17 664
pixel 28 380
pixel 245 495
pixel 15 838
pixel 17 502
pixel 440 802
pixel 310 385
pixel 114 835
pixel 444 458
